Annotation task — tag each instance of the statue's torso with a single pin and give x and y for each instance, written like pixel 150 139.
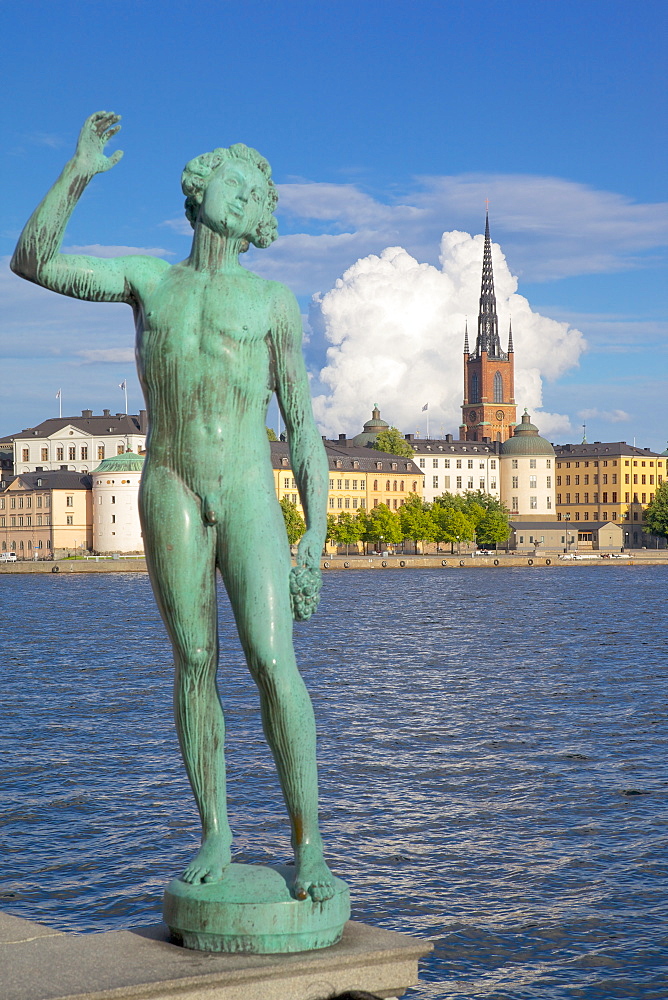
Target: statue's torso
pixel 204 357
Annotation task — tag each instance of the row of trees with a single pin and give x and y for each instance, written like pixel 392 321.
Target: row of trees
pixel 450 519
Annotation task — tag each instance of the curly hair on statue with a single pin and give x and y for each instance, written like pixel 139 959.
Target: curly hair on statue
pixel 198 172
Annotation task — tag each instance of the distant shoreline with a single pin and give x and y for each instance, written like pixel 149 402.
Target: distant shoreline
pixel 444 561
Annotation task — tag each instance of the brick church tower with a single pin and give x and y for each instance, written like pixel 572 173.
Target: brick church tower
pixel 488 410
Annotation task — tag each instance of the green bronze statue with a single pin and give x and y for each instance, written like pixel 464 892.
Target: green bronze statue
pixel 214 342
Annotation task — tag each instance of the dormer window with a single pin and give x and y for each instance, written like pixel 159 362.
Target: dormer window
pixel 379 465
pixel 394 465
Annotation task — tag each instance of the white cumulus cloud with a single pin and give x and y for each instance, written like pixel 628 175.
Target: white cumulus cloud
pixel 396 333
pixel 611 416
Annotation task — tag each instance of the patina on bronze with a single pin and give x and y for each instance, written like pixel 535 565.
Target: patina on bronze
pixel 214 342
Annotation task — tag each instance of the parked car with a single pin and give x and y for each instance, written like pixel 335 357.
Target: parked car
pixel 7 556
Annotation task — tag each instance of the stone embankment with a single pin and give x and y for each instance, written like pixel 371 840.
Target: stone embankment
pixel 445 561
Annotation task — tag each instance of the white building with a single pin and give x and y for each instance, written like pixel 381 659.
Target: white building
pixel 528 474
pixel 457 466
pixel 76 444
pixel 116 526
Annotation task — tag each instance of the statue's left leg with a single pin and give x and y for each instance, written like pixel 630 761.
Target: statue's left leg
pixel 257 580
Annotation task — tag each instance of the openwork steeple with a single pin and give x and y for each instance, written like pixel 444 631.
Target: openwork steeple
pixel 488 322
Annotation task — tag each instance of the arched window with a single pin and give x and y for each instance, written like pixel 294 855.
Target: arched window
pixel 414 487
pixel 395 486
pixel 387 486
pixel 375 484
pixel 498 388
pixel 402 486
pixel 475 388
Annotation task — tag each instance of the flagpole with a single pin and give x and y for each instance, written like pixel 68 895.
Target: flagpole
pixel 124 386
pixel 59 397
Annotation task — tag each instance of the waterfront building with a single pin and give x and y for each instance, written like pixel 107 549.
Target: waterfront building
pixel 359 478
pixel 609 481
pixel 451 466
pixel 46 515
pixel 488 410
pixel 528 474
pixel 564 538
pixel 76 444
pixel 116 526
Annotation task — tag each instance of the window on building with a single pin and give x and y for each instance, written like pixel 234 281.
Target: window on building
pixel 492 464
pixel 459 482
pixel 375 484
pixel 482 484
pixel 354 503
pixel 339 501
pixel 513 463
pixel 516 482
pixel 387 486
pixel 548 463
pixel 21 502
pixel 469 463
pixel 498 388
pixel 434 463
pixel 532 482
pixel 69 501
pixel 346 484
pixel 100 451
pixel 532 463
pixel 394 486
pixel 72 453
pixel 446 482
pixel 339 484
pixel 558 480
pixel 354 484
pixel 533 503
pixel 549 503
pixel 434 482
pixel 70 519
pixel 346 503
pixel 25 454
pixel 45 454
pixel 548 482
pixel 475 388
pixel 515 503
pixel 458 463
pixel 331 501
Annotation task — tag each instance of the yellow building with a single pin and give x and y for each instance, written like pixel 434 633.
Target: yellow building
pixel 46 515
pixel 608 482
pixel 359 478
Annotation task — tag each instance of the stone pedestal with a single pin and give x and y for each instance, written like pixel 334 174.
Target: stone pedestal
pixel 251 911
pixel 39 963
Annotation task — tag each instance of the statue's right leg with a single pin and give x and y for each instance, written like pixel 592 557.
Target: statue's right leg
pixel 180 555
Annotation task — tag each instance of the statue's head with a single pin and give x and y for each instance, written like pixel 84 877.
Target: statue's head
pixel 199 172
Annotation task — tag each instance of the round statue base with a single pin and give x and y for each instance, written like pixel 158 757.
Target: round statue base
pixel 252 911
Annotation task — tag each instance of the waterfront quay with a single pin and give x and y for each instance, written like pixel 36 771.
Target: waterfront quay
pixel 442 561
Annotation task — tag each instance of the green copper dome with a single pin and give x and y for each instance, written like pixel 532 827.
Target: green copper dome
pixel 526 440
pixel 372 429
pixel 128 462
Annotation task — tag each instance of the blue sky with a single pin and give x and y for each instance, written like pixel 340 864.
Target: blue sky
pixel 386 124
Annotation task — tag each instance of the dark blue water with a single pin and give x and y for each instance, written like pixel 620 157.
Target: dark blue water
pixel 492 758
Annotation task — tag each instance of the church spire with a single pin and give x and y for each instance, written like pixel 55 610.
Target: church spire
pixel 466 337
pixel 488 323
pixel 511 349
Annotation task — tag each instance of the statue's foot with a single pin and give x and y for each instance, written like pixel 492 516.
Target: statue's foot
pixel 312 876
pixel 209 863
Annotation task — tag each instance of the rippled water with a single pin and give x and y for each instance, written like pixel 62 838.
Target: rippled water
pixel 492 757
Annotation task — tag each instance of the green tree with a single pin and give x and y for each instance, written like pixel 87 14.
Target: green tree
pixel 416 520
pixel 393 442
pixel 271 434
pixel 348 530
pixel 381 525
pixel 294 522
pixel 493 529
pixel 656 513
pixel 451 523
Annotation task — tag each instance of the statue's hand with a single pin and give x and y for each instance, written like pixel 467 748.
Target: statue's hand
pixel 306 578
pixel 95 134
pixel 308 550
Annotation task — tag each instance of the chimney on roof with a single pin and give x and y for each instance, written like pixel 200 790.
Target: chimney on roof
pixel 86 413
pixel 342 438
pixel 106 413
pixel 408 437
pixel 448 437
pixel 121 414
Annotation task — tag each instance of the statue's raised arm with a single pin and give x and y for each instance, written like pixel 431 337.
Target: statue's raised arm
pixel 37 256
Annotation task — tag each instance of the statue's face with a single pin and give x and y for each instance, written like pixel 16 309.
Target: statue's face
pixel 234 200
